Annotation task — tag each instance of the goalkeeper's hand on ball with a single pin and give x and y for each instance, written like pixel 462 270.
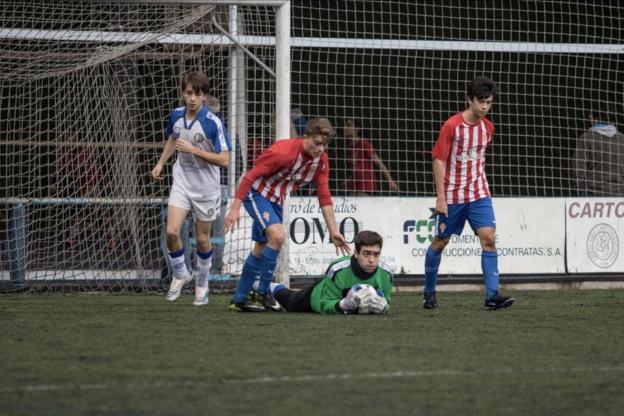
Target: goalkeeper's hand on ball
pixel 364 299
pixel 377 305
pixel 373 303
pixel 357 294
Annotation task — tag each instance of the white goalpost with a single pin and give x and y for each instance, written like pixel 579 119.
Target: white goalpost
pixel 86 89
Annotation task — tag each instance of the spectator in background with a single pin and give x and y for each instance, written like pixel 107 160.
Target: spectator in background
pixel 364 159
pixel 78 173
pixel 258 145
pixel 599 160
pixel 298 122
pixel 79 176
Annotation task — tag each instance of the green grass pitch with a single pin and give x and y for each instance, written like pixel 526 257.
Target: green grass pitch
pixel 552 353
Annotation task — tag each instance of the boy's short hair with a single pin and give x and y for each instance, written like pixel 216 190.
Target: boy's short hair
pixel 320 126
pixel 367 238
pixel 196 80
pixel 481 88
pixel 355 122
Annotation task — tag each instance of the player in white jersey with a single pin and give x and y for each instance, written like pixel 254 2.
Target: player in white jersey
pixel 203 148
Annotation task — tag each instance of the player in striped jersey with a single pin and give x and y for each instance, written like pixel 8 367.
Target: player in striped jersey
pixel 330 295
pixel 283 168
pixel 203 148
pixel 463 193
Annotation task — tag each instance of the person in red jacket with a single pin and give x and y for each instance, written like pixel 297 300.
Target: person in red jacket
pixel 364 162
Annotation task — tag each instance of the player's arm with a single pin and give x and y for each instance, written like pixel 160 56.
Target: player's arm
pixel 439 167
pixel 337 238
pixel 333 301
pixel 265 165
pixel 330 304
pixel 221 159
pixel 386 287
pixel 168 151
pixel 440 153
pixel 213 128
pixel 327 209
pixel 384 171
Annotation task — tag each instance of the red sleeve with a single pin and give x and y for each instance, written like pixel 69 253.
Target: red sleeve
pixel 368 148
pixel 443 144
pixel 322 183
pixel 266 164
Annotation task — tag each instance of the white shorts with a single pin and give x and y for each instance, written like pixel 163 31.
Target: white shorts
pixel 204 210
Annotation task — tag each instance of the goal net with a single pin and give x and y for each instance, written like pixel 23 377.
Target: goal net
pixel 87 86
pixel 86 89
pixel 401 68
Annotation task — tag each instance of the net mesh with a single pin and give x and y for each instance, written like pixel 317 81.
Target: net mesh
pixel 86 91
pixel 401 68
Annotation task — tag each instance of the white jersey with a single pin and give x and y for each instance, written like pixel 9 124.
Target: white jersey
pixel 199 179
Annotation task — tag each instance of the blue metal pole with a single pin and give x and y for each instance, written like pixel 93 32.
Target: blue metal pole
pixel 17 245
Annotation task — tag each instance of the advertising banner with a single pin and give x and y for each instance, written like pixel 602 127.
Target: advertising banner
pixel 530 237
pixel 595 227
pixel 311 249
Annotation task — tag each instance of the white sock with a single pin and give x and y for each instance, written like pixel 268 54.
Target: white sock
pixel 203 270
pixel 179 267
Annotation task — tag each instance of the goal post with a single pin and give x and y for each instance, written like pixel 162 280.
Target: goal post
pixel 86 90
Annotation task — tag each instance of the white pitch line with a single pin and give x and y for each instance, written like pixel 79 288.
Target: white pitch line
pixel 423 373
pixel 34 388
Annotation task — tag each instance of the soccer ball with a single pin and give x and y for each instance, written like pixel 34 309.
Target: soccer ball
pixel 363 291
pixel 369 300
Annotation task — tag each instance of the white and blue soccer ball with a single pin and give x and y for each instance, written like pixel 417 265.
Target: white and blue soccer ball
pixel 362 292
pixel 369 299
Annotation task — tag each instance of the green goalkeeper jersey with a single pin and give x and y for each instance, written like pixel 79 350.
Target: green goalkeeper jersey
pixel 340 276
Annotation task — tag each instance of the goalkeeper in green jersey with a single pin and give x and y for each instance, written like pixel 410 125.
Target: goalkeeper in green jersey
pixel 344 287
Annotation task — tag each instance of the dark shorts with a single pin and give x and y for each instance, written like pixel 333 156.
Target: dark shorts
pixel 296 300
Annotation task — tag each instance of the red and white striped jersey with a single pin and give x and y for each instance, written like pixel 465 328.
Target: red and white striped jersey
pixel 284 168
pixel 462 146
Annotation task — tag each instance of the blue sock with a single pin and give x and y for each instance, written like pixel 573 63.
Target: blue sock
pixel 278 288
pixel 251 269
pixel 267 268
pixel 432 264
pixel 489 265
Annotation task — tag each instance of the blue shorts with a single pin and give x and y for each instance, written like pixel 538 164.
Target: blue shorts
pixel 263 212
pixel 479 214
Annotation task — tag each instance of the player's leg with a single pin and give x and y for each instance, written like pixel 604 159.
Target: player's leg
pixel 264 214
pixel 445 227
pixel 181 275
pixel 275 239
pixel 483 222
pixel 275 236
pixel 205 213
pixel 269 235
pixel 433 257
pixel 203 261
pixel 251 269
pixel 291 300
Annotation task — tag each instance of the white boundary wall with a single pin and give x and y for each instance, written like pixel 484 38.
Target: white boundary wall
pixel 533 235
